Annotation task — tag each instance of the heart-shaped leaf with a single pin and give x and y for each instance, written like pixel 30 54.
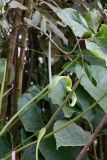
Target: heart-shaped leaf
pixel 72 135
pixel 98 43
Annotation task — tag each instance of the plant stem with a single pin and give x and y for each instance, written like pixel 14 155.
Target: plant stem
pixel 10 56
pixel 2 86
pixel 20 62
pixel 65 125
pixel 8 125
pixel 49 62
pixel 92 138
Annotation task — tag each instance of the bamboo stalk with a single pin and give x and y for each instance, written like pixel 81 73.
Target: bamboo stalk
pixel 10 56
pixel 20 65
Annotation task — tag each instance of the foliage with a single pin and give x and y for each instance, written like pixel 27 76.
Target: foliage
pixel 53 79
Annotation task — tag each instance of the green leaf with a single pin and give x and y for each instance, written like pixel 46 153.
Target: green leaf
pixel 93 18
pixel 5 146
pixel 72 135
pixel 99 73
pixel 85 100
pixel 74 99
pixel 40 136
pixel 32 120
pixel 93 90
pixel 29 153
pixel 98 43
pixel 68 111
pixel 74 20
pixel 49 151
pixel 58 89
pixel 99 114
pixel 92 59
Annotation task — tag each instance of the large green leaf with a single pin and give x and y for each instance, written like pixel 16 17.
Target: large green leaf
pixel 59 89
pixel 74 20
pixel 95 91
pixel 93 18
pixel 72 135
pixel 49 151
pixel 98 43
pixel 32 120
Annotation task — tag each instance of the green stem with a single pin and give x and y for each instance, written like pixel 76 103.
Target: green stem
pixel 20 117
pixel 25 111
pixel 49 62
pixel 2 86
pixel 8 125
pixel 65 125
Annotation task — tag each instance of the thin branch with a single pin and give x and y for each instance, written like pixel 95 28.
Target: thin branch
pixel 60 49
pixel 92 138
pixel 49 61
pixel 7 92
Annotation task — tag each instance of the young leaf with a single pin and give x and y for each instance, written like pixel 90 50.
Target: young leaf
pixel 72 135
pixel 58 89
pixel 74 99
